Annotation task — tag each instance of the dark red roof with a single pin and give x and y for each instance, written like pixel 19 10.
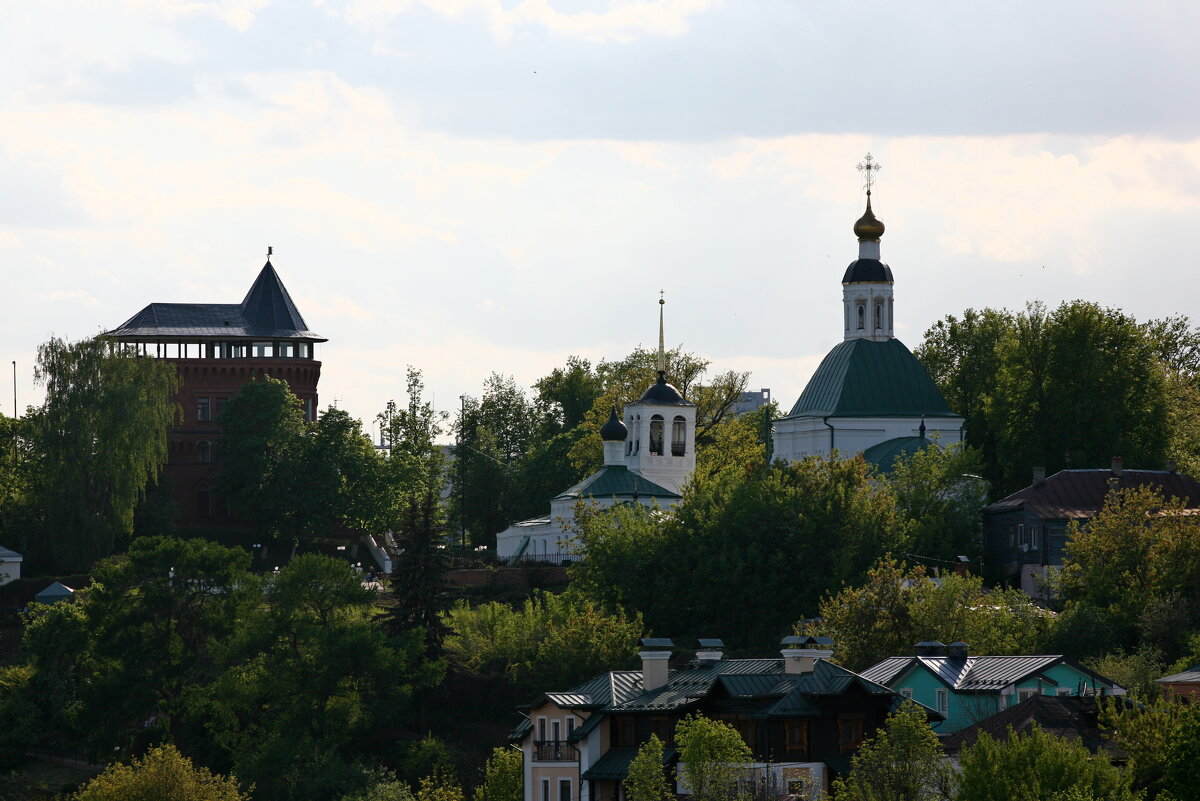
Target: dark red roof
pixel 1079 494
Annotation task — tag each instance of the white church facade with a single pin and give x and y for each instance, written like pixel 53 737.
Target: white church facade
pixel 870 395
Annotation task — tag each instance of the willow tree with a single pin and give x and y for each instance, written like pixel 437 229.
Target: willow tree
pixel 98 440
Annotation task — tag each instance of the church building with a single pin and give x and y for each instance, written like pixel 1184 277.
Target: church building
pixel 218 347
pixel 649 454
pixel 869 395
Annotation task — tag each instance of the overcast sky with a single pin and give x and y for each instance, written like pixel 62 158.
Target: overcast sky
pixel 472 186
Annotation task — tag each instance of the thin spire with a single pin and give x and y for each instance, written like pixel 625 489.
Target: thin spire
pixel 662 353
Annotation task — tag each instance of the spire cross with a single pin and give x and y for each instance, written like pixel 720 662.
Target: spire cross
pixel 270 250
pixel 868 167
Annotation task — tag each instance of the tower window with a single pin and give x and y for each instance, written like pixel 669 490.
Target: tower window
pixel 285 350
pixel 656 435
pixel 861 316
pixel 878 316
pixel 678 436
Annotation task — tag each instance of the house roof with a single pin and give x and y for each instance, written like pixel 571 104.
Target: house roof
pixel 55 592
pixel 616 481
pixel 883 456
pixel 9 555
pixel 975 673
pixel 267 312
pixel 614 765
pixel 1079 494
pixel 861 378
pixel 1070 718
pixel 1189 676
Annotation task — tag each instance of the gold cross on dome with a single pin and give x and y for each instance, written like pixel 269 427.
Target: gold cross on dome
pixel 868 167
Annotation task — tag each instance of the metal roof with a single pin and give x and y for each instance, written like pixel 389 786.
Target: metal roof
pixel 975 673
pixel 1079 494
pixel 883 455
pixel 868 271
pixel 660 393
pixel 1189 676
pixel 861 378
pixel 616 481
pixel 614 765
pixel 568 700
pixel 9 555
pixel 1069 718
pixel 267 312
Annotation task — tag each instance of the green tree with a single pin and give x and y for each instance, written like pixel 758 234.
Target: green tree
pixel 940 491
pixel 19 712
pixel 1139 554
pixel 791 531
pixel 502 776
pixel 162 774
pixel 416 476
pixel 647 781
pixel 439 786
pixel 342 476
pixel 569 392
pixel 898 606
pixel 1145 732
pixel 263 457
pixel 1037 766
pixel 712 757
pixel 96 443
pixel 902 762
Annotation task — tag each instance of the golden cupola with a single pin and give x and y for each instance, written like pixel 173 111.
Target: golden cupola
pixel 868 228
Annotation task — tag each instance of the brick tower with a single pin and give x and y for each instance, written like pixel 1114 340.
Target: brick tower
pixel 218 347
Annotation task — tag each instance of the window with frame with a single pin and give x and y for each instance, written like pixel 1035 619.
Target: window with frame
pixel 1022 537
pixel 204 453
pixel 906 692
pixel 285 350
pixel 850 732
pixel 943 701
pixel 221 404
pixel 564 790
pixel 570 726
pixel 1025 693
pixel 541 722
pixel 262 350
pixel 545 790
pixel 203 410
pixel 796 735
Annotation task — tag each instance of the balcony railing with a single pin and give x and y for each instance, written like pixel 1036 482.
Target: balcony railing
pixel 554 751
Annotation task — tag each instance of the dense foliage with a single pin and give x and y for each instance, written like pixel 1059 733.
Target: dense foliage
pixel 902 762
pixel 712 757
pixel 162 774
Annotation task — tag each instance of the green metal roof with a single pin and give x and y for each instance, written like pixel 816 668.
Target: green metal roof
pixel 884 455
pixel 861 378
pixel 616 481
pixel 614 765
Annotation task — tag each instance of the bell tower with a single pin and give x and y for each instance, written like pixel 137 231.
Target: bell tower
pixel 867 283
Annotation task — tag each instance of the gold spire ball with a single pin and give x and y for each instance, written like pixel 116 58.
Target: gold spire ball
pixel 869 228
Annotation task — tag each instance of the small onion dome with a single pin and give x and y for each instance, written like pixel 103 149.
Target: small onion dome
pixel 614 430
pixel 868 227
pixel 662 392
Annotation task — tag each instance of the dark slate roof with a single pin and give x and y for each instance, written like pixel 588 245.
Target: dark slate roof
pixel 1072 718
pixel 883 456
pixel 616 481
pixel 267 312
pixel 975 673
pixel 520 731
pixel 861 378
pixel 663 394
pixel 868 271
pixel 1079 494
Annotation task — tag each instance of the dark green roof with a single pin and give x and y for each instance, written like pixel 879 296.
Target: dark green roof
pixel 616 481
pixel 884 455
pixel 861 378
pixel 614 765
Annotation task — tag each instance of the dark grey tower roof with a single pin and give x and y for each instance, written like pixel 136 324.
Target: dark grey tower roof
pixel 614 430
pixel 267 312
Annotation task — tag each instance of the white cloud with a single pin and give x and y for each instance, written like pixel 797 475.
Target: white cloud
pixel 238 14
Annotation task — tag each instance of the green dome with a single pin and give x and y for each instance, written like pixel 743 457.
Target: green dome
pixel 861 378
pixel 884 455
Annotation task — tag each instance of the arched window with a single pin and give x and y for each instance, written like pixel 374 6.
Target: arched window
pixel 861 314
pixel 878 315
pixel 203 501
pixel 656 435
pixel 678 436
pixel 204 452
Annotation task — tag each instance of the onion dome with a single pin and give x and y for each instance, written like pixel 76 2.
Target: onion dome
pixel 868 271
pixel 662 393
pixel 614 430
pixel 868 227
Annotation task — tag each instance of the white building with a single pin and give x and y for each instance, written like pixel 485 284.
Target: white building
pixel 647 459
pixel 870 395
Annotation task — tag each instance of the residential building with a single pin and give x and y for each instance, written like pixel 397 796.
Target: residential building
pixel 802 717
pixel 1185 684
pixel 1075 718
pixel 869 391
pixel 218 347
pixel 1026 532
pixel 10 565
pixel 648 456
pixel 970 689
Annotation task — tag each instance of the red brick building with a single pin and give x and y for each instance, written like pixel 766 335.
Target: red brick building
pixel 218 347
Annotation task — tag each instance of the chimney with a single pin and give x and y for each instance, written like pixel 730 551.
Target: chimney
pixel 930 648
pixel 655 653
pixel 961 563
pixel 1039 476
pixel 801 653
pixel 710 650
pixel 1118 466
pixel 957 651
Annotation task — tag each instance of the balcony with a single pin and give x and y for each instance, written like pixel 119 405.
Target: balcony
pixel 554 751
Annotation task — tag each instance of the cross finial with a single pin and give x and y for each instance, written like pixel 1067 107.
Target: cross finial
pixel 868 167
pixel 270 250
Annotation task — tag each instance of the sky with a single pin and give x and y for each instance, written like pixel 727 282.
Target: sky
pixel 479 186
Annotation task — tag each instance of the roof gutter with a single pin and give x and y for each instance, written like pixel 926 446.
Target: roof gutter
pixel 825 420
